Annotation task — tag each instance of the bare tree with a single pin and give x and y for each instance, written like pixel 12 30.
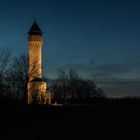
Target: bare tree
pixel 14 76
pixel 5 59
pixel 18 76
pixel 26 79
pixel 71 86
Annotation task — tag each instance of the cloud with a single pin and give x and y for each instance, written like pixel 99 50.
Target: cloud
pixel 105 70
pixel 110 71
pixel 120 88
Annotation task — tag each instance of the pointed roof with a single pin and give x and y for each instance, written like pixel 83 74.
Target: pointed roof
pixel 35 30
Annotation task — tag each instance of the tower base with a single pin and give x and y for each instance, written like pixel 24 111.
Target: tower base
pixel 37 92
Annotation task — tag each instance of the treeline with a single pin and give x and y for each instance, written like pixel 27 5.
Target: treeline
pixel 67 88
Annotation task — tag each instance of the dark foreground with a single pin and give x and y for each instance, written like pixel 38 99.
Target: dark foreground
pixel 114 121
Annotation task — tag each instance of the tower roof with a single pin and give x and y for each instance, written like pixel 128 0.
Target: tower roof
pixel 35 30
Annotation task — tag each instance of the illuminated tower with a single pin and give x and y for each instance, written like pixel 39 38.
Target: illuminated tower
pixel 36 87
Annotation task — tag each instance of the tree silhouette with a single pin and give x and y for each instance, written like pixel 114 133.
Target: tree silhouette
pixel 71 86
pixel 18 76
pixel 5 57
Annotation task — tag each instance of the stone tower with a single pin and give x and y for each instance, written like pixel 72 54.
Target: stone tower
pixel 36 86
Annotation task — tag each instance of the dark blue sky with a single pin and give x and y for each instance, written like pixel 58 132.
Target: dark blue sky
pixel 100 38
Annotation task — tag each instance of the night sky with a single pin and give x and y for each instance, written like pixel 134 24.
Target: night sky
pixel 99 38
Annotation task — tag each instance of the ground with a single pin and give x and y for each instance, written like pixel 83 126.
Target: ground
pixel 69 122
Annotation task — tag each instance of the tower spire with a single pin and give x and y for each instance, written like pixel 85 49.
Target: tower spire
pixel 35 29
